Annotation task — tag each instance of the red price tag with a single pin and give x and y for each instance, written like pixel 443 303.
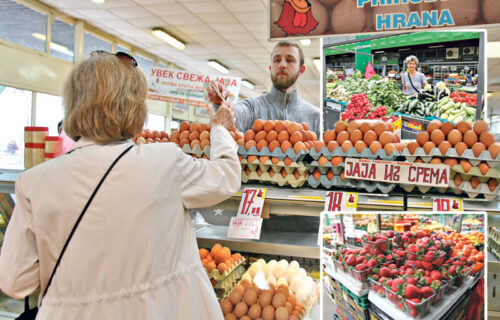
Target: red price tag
pixel 447 205
pixel 252 202
pixel 341 201
pixel 245 228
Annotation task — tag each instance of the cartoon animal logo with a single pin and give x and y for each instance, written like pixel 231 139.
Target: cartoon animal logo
pixel 296 18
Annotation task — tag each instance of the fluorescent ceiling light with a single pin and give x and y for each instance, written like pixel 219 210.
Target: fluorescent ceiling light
pixel 318 64
pixel 99 1
pixel 163 35
pixel 438 46
pixel 381 51
pixel 248 84
pixel 493 49
pixel 218 66
pixel 305 42
pixel 404 49
pixel 53 45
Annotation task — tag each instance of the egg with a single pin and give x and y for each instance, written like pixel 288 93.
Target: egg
pixel 296 283
pixel 235 297
pixel 273 145
pixel 268 125
pixel 291 298
pixel 184 135
pixel 298 147
pixel 301 295
pixel 336 161
pixel 251 159
pixel 281 313
pixel 484 168
pixel 290 272
pixel 318 145
pixel 255 311
pixel 222 268
pixel 412 147
pixel 457 180
pixel 294 264
pixel 283 136
pixel 433 125
pixel 356 136
pixel 279 271
pixel 352 126
pixel 360 146
pixel 454 136
pixel 329 135
pixel 487 138
pixel 480 126
pixel 239 142
pixel 474 182
pixel 250 297
pixel 316 174
pixel 366 126
pixel 249 144
pixel 240 309
pixel 494 149
pixel 302 273
pixel 492 184
pixel 386 137
pixel 389 148
pixel 268 312
pixel 288 161
pixel 247 277
pixel 346 145
pixel 400 146
pixel 271 279
pixel 279 300
pixel 437 137
pixel 296 137
pixel 260 136
pixel 460 148
pixel 444 146
pixel 451 162
pixel 279 126
pixel 293 127
pixel 369 137
pixel 342 137
pixel 184 126
pixel 470 137
pixel 175 134
pixel 477 148
pixel 435 161
pixel 329 174
pixel 230 316
pixel 282 281
pixel 258 125
pixel 466 166
pixel 245 284
pixel 245 318
pixel 322 160
pixel 422 138
pixel 285 146
pixel 271 136
pixel 226 306
pixel 418 160
pixel 447 127
pixel 464 126
pixel 379 127
pixel 375 146
pixel 428 146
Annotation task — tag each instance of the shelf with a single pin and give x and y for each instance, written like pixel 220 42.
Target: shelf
pixel 7 180
pixel 436 311
pixel 294 244
pixel 349 282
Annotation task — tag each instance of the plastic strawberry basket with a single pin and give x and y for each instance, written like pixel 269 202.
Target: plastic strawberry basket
pixel 361 275
pixel 450 285
pixel 398 301
pixel 439 293
pixel 460 279
pixel 373 244
pixel 419 310
pixel 376 287
pixel 339 265
pixel 386 264
pixel 400 261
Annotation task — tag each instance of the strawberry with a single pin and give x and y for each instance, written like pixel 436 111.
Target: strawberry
pixel 372 263
pixel 412 292
pixel 427 265
pixel 360 259
pixel 427 292
pixel 397 284
pixel 361 267
pixel 409 272
pixel 351 260
pixel 388 257
pixel 411 280
pixel 385 272
pixel 389 234
pixel 412 248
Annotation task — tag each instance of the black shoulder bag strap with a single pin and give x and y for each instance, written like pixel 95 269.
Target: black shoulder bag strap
pixel 409 78
pixel 78 222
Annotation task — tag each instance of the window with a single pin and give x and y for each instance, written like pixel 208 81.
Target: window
pixel 15 114
pixel 49 111
pixel 155 122
pixel 62 36
pixel 92 43
pixel 22 25
pixel 144 64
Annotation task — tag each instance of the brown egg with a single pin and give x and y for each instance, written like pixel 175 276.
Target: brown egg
pixel 283 173
pixel 184 126
pixel 226 306
pixel 240 142
pixel 240 309
pixel 464 126
pixel 470 137
pixel 175 134
pixel 477 148
pixel 279 300
pixel 268 125
pixel 466 166
pixel 255 311
pixel 329 174
pixel 194 127
pixel 258 125
pixel 332 145
pixel 422 138
pixel 285 145
pixel 474 182
pixel 316 175
pixel 400 146
pixel 259 172
pixel 291 298
pixel 194 135
pixel 436 161
pixel 346 145
pixel 273 145
pixel 337 160
pixel 492 184
pixel 484 168
pixel 329 136
pixel 454 136
pixel 356 136
pixel 205 135
pixel 249 144
pixel 230 316
pixel 322 160
pixel 487 138
pixel 494 149
pixel 340 126
pixel 379 127
pixel 360 145
pixel 268 312
pixel 437 137
pixel 289 307
pixel 353 125
pixel 283 288
pixel 245 318
pixel 451 162
pixel 283 136
pixel 271 136
pixel 247 171
pixel 296 137
pixel 194 143
pixel 375 146
pixel 245 284
pixel 279 126
pixel 342 176
pixel 249 135
pixel 235 296
pixel 281 313
pixel 460 148
pixel 428 146
pixel 299 146
pixel 386 137
pixel 342 136
pixel 184 135
pixel 318 145
pixel 412 147
pixel 433 125
pixel 389 148
pixel 292 127
pixel 261 135
pixel 366 126
pixel 480 126
pixel 457 180
pixel 288 161
pixel 418 160
pixel 369 137
pixel 261 144
pixel 444 146
pixel 251 159
pixel 447 127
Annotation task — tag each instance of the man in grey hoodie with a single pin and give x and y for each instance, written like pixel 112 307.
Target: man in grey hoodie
pixel 283 101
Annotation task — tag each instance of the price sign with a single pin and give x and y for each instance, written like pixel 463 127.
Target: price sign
pixel 252 201
pixel 341 201
pixel 245 228
pixel 447 205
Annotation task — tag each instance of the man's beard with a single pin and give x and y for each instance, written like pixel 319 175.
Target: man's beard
pixel 284 84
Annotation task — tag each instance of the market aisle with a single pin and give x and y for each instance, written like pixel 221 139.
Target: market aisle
pixel 328 305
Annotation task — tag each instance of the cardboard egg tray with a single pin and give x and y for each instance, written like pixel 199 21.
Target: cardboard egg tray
pixel 197 150
pixel 452 153
pixel 226 282
pixel 327 166
pixel 214 274
pixel 474 171
pixel 369 186
pixel 424 189
pixel 278 179
pixel 353 153
pixel 278 153
pixel 481 189
pixel 300 166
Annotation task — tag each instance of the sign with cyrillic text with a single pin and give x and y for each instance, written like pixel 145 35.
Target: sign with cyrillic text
pixel 252 202
pixel 245 228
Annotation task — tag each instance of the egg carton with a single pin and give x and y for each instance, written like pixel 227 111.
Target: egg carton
pixel 214 274
pixel 278 153
pixel 452 153
pixel 424 189
pixel 327 166
pixel 353 153
pixel 474 171
pixel 467 177
pixel 481 189
pixel 197 150
pixel 276 167
pixel 369 186
pixel 277 178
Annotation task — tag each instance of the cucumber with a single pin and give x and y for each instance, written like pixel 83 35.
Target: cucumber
pixel 412 105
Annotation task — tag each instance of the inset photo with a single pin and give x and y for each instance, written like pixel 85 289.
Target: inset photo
pixel 403 266
pixel 493 267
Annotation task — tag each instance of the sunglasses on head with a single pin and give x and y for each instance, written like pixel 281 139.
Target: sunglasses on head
pixel 120 55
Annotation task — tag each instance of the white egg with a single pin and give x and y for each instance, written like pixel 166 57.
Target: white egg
pixel 308 286
pixel 296 283
pixel 301 296
pixel 268 270
pixel 279 271
pixel 289 274
pixel 302 272
pixel 281 281
pixel 247 277
pixel 272 263
pixel 284 263
pixel 262 262
pixel 294 264
pixel 271 280
pixel 254 268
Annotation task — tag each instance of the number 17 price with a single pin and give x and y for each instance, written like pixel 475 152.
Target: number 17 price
pixel 252 201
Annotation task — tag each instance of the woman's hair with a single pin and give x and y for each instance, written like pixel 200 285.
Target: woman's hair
pixel 105 99
pixel 411 58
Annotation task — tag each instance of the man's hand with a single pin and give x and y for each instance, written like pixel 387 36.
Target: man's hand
pixel 213 97
pixel 224 116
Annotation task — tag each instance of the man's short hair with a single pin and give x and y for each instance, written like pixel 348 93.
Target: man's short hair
pixel 291 44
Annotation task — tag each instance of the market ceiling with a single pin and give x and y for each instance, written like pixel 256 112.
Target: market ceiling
pixel 235 32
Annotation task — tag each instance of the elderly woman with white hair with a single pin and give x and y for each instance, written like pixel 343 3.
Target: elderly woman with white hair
pixel 133 252
pixel 413 81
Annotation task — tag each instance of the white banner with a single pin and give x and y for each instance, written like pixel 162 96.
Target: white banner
pixel 184 87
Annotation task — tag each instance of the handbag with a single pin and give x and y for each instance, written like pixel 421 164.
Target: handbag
pixel 30 314
pixel 420 96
